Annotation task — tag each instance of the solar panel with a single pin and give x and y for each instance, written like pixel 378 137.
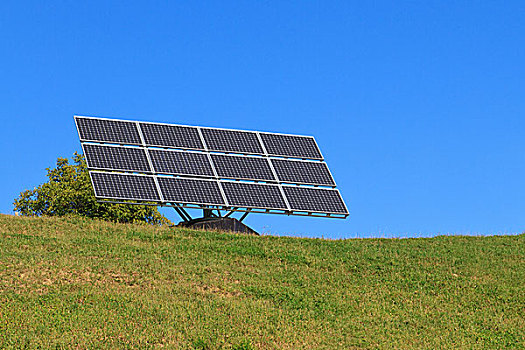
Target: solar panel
pixel 242 167
pixel 181 190
pixel 181 163
pixel 291 146
pixel 200 167
pixel 124 186
pixel 176 136
pixel 253 195
pixel 116 158
pixel 302 172
pixel 315 200
pixel 232 141
pixel 106 130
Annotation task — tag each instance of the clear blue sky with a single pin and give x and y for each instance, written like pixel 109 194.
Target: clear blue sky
pixel 418 107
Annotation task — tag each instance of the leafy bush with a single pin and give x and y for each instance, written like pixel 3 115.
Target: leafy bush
pixel 69 191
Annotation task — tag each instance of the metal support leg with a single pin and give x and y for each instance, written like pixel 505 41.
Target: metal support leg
pixel 244 216
pixel 182 213
pixel 229 213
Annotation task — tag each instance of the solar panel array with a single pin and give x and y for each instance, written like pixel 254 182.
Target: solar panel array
pixel 187 165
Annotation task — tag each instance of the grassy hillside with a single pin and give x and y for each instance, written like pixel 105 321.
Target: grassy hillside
pixel 83 283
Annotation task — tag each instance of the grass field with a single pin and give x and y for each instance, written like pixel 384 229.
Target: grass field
pixel 81 283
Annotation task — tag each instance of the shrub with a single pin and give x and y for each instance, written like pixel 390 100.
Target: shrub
pixel 69 191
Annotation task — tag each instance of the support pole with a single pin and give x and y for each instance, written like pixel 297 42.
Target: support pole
pixel 244 216
pixel 229 213
pixel 182 213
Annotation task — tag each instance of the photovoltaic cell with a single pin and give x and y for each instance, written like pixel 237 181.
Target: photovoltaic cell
pixel 116 158
pixel 182 163
pixel 120 186
pixel 181 190
pixel 315 200
pixel 302 172
pixel 231 141
pixel 252 195
pixel 111 131
pixel 171 136
pixel 291 146
pixel 242 167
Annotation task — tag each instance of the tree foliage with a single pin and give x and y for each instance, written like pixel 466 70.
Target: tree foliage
pixel 69 191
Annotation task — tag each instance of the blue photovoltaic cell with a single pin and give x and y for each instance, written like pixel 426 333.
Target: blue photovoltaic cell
pixel 116 158
pixel 182 163
pixel 175 136
pixel 252 195
pixel 104 130
pixel 231 141
pixel 291 146
pixel 302 172
pixel 315 200
pixel 124 186
pixel 180 190
pixel 242 167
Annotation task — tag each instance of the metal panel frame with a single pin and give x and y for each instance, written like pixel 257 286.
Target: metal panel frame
pixel 237 209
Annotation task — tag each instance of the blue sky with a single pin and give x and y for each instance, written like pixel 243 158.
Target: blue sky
pixel 418 107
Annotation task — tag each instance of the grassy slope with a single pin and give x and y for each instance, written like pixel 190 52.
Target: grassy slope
pixel 93 284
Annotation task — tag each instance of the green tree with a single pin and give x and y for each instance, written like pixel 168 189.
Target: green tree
pixel 69 191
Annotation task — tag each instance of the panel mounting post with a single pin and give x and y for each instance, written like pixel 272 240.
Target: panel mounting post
pixel 182 213
pixel 244 215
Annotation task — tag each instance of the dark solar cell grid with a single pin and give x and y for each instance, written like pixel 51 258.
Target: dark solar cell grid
pixel 291 146
pixel 111 131
pixel 241 167
pixel 296 171
pixel 118 186
pixel 231 141
pixel 190 191
pixel 249 195
pixel 183 163
pixel 171 136
pixel 116 158
pixel 315 200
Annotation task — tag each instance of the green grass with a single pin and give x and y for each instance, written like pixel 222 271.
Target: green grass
pixel 80 283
